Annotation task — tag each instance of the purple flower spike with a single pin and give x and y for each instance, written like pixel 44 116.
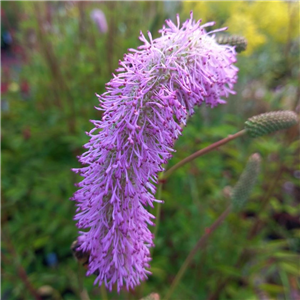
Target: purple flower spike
pixel 155 88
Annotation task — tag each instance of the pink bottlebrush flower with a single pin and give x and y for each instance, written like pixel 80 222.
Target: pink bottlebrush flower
pixel 155 88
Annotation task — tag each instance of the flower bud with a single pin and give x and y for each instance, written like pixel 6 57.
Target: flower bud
pixel 242 189
pixel 269 122
pixel 239 42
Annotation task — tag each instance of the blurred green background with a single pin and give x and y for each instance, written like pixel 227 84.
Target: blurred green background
pixel 54 58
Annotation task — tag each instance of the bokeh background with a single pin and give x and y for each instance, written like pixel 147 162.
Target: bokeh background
pixel 54 57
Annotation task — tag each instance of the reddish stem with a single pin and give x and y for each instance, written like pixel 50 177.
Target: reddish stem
pixel 202 152
pixel 200 243
pixel 21 271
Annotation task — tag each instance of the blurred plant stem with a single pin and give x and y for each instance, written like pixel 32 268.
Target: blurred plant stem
pixel 252 233
pixel 20 270
pixel 60 88
pixel 200 243
pixel 258 224
pixel 81 20
pixel 291 12
pixel 110 36
pixel 82 291
pixel 103 292
pixel 85 296
pixel 202 152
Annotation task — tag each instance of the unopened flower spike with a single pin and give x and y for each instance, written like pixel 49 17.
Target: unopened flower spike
pixel 270 122
pixel 245 184
pixel 153 91
pixel 239 42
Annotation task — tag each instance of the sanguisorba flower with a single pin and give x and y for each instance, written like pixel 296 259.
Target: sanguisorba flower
pixel 155 88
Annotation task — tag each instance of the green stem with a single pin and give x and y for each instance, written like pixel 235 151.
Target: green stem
pixel 61 89
pixel 103 292
pixel 158 208
pixel 199 244
pixel 202 152
pixel 20 269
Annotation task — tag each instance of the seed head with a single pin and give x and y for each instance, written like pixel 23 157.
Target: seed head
pixel 270 122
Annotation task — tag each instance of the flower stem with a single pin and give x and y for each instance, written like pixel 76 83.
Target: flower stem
pixel 202 152
pixel 158 208
pixel 20 269
pixel 103 292
pixel 252 233
pixel 199 244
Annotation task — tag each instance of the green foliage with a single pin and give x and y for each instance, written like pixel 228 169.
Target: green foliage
pixel 66 61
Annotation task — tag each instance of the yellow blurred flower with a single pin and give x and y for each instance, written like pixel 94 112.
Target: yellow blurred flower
pixel 280 19
pixel 13 87
pixel 258 22
pixel 209 11
pixel 243 24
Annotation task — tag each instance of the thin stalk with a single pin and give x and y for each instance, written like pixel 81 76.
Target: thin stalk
pixel 103 292
pixel 265 201
pixel 255 228
pixel 197 247
pixel 83 294
pixel 81 21
pixel 158 209
pixel 61 87
pixel 20 269
pixel 202 152
pixel 110 41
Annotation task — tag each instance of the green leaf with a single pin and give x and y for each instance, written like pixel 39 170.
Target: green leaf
pixel 40 242
pixel 286 255
pixel 229 271
pixel 291 268
pixel 271 288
